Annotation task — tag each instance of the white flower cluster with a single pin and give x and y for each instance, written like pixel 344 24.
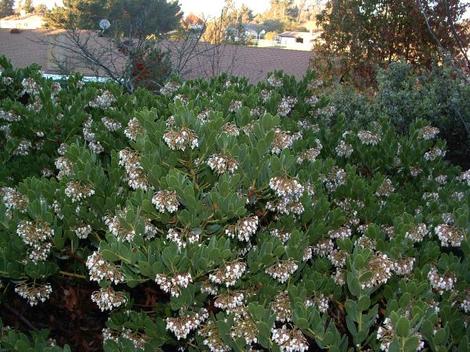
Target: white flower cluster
pixel 245 328
pixel 434 153
pixel 182 139
pixel 90 137
pixel 29 86
pixel 324 247
pixel 7 80
pixel 231 129
pixel 133 129
pixel 100 269
pixel 243 229
pixel 404 266
pixel 138 339
pixel 208 288
pixel 170 88
pixel 441 283
pixel 64 166
pixel 166 201
pixel 23 148
pixel 289 340
pixel 341 233
pixel 336 177
pixel 174 284
pixel 228 274
pixel 283 270
pixel 9 116
pixel 274 81
pixel 37 235
pixel 428 132
pixel 320 301
pixel 136 177
pixel 108 298
pixel 182 238
pixel 103 100
pixel 183 325
pixel 417 233
pixel 307 125
pixel 286 187
pixel 338 258
pixel 312 100
pixel 12 199
pixel 368 137
pixel 281 307
pixel 77 191
pixel 365 242
pixel 119 229
pixel 82 231
pixel 465 177
pixel 283 140
pixel 310 154
pixel 381 268
pixel 111 124
pixel 34 293
pixel 385 189
pixel 386 334
pixel 221 163
pixel 465 305
pixel 450 236
pixel 265 95
pixel 286 105
pixel 235 105
pixel 212 339
pixel 283 236
pixel 229 300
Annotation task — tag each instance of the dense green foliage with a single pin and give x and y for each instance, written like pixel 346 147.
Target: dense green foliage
pixel 136 18
pixel 264 216
pixel 440 96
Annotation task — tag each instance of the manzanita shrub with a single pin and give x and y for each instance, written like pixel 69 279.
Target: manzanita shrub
pixel 265 220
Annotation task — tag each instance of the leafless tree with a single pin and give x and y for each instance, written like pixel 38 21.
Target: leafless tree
pixel 117 58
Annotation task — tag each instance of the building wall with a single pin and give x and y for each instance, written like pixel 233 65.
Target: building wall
pixel 27 22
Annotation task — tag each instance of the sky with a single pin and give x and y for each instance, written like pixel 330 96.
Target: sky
pixel 206 8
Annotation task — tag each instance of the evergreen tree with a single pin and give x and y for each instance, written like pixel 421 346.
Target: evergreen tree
pixel 127 17
pixel 6 8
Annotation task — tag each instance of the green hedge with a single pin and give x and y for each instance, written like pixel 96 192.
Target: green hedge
pixel 263 217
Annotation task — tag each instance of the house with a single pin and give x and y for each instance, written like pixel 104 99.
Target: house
pixel 298 40
pixel 26 21
pixel 202 60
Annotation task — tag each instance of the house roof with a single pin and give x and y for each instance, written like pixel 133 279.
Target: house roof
pixel 293 34
pixel 204 60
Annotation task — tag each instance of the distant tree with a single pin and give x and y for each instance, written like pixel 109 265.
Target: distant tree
pixel 360 35
pixel 227 27
pixel 273 25
pixel 127 17
pixel 246 14
pixel 27 6
pixel 7 8
pixel 40 9
pixel 77 14
pixel 191 21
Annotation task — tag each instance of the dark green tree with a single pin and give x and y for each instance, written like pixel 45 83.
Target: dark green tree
pixel 130 18
pixel 6 8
